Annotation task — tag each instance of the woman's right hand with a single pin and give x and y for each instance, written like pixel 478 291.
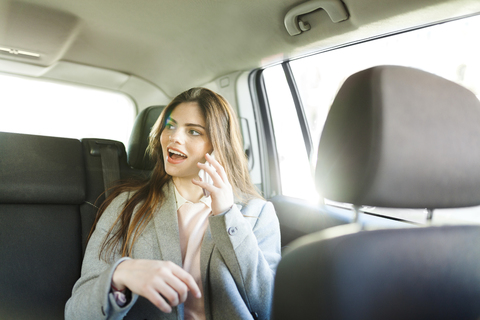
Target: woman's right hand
pixel 156 281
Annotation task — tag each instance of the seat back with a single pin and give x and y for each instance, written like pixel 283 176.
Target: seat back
pixel 139 138
pixel 95 183
pixel 42 186
pixel 424 273
pixel 394 137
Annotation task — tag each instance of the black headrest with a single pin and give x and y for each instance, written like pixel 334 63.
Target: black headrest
pixel 401 137
pixel 137 146
pixel 41 170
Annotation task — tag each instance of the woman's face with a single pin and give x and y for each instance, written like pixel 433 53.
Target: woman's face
pixel 185 141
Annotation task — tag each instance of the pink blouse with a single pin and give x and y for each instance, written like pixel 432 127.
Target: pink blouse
pixel 192 223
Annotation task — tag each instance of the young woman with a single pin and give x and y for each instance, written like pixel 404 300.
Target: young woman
pixel 162 249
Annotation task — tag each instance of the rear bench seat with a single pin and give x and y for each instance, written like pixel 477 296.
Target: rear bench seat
pixel 50 189
pixel 42 187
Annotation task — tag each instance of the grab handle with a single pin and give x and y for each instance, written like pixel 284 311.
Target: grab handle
pixel 335 9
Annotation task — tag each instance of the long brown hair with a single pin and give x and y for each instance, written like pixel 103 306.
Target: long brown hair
pixel 224 133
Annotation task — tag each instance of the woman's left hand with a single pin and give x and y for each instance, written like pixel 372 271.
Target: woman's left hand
pixel 221 191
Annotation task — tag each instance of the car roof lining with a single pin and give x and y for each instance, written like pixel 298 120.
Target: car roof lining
pixel 174 45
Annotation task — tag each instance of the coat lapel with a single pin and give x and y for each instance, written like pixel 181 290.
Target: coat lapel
pixel 206 251
pixel 166 227
pixel 205 255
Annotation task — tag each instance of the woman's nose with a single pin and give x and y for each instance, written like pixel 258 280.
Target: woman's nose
pixel 176 137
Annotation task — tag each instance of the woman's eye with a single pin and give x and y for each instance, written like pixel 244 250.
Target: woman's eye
pixel 169 126
pixel 194 132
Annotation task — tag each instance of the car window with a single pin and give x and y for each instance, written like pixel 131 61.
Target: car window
pixel 61 110
pixel 449 50
pixel 295 170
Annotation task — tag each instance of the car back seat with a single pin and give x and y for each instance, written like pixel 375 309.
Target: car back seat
pixel 50 191
pixel 42 187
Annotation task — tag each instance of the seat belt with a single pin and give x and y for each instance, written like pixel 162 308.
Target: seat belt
pixel 110 166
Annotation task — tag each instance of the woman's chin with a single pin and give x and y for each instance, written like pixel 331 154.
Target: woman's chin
pixel 175 174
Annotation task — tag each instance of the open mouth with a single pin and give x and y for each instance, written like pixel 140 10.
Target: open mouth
pixel 176 155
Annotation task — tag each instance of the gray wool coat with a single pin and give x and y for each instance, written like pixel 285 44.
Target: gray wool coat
pixel 239 255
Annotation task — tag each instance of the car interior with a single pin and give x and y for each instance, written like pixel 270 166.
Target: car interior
pixel 358 127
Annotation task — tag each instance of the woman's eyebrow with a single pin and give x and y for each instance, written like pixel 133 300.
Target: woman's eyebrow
pixel 186 124
pixel 194 125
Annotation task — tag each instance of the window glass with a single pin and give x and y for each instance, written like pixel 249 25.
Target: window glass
pixel 295 171
pixel 52 109
pixel 449 50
